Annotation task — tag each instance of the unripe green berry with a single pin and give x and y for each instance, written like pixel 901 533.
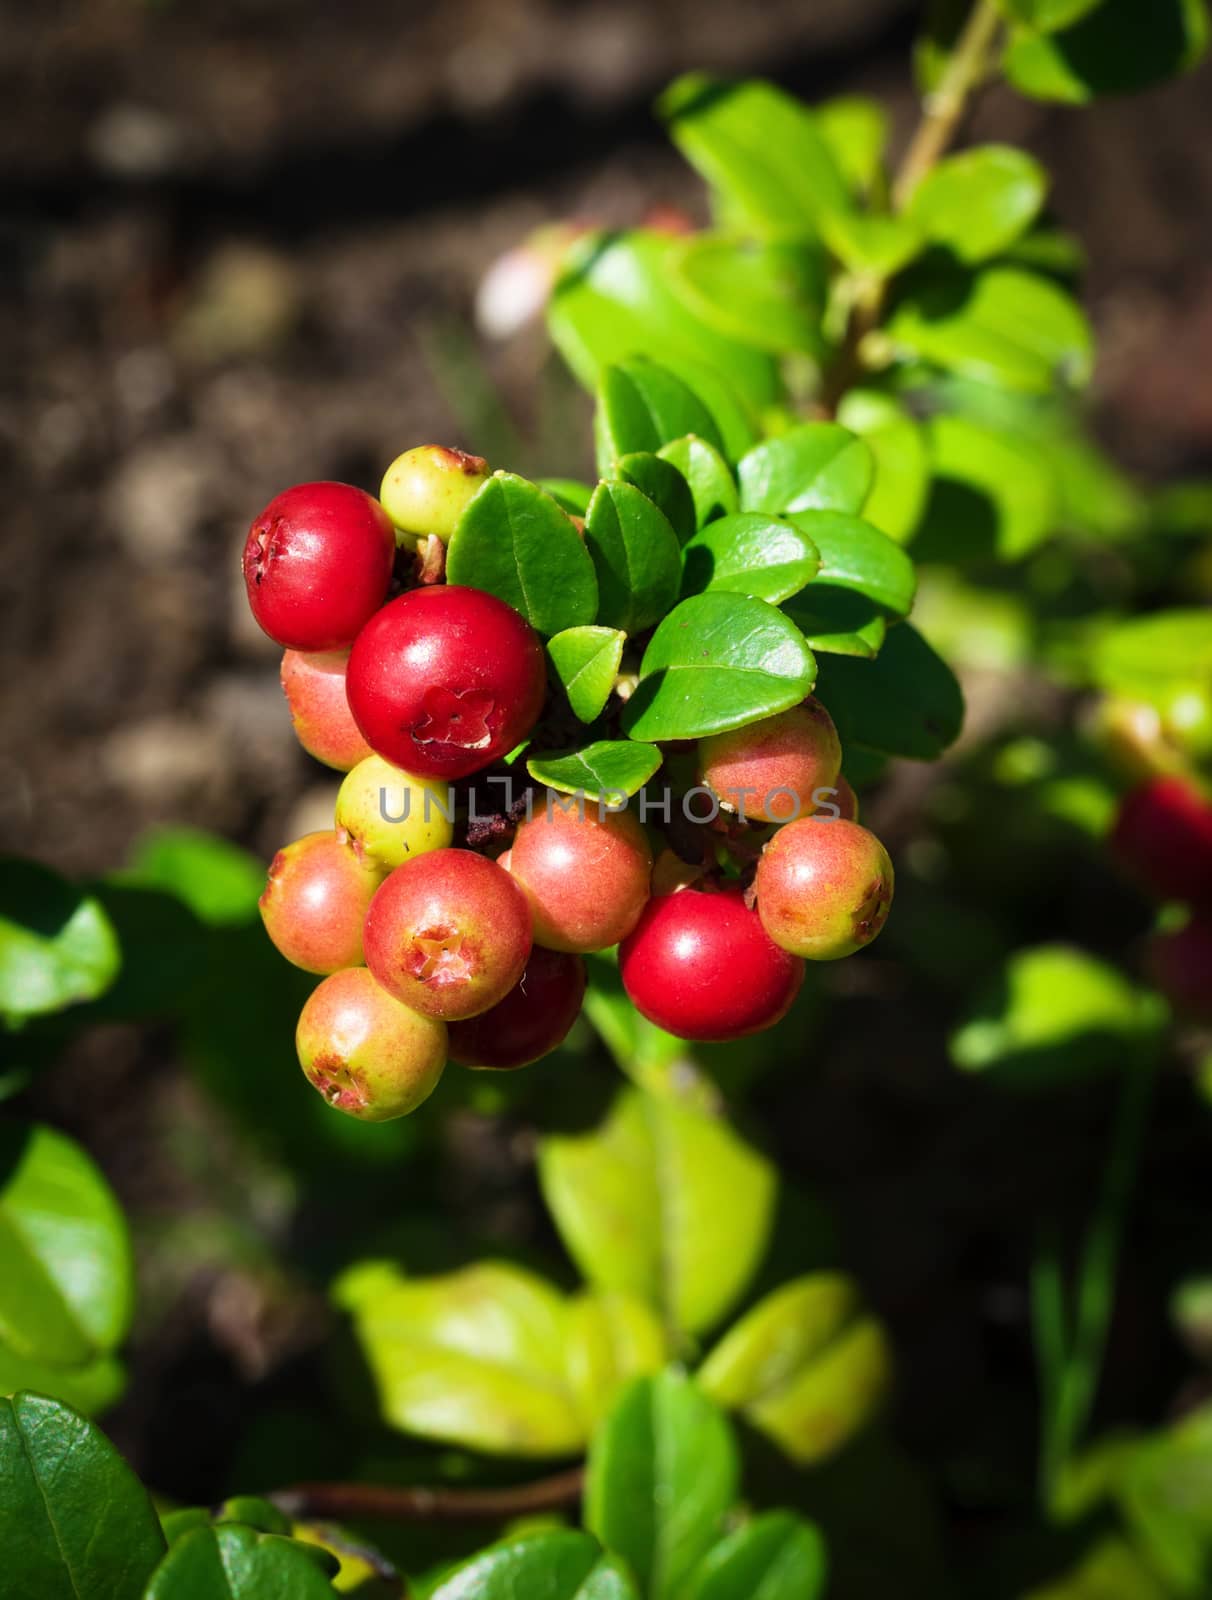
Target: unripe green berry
pixel 392 815
pixel 427 489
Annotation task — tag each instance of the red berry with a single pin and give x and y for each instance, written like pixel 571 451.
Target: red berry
pixel 585 873
pixel 700 965
pixel 448 934
pixel 317 563
pixel 367 1054
pixel 1163 837
pixel 1181 966
pixel 824 888
pixel 533 1018
pixel 314 686
pixel 315 901
pixel 769 771
pixel 445 680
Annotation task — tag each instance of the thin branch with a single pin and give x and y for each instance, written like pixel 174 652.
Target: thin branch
pixel 384 1502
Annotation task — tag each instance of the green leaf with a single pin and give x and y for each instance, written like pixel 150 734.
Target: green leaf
pixel 515 542
pixel 766 294
pixel 66 1274
pixel 605 769
pixel 662 1475
pixel 1046 16
pixel 57 946
pixel 902 466
pixel 473 1357
pixel 1117 47
pixel 661 1201
pixel 750 554
pixel 642 405
pixel 219 882
pixel 838 621
pixel 75 1522
pixel 568 493
pixel 561 1564
pixel 90 1389
pixel 904 703
pixel 856 131
pixel 818 465
pixel 992 495
pixel 1000 326
pixel 760 148
pixel 1166 1515
pixel 980 201
pixel 1112 1570
pixel 1055 1013
pixel 808 1366
pixel 664 485
pixel 872 244
pixel 858 557
pixel 1151 657
pixel 612 1338
pixel 712 486
pixel 778 1556
pixel 586 661
pixel 718 661
pixel 635 554
pixel 230 1562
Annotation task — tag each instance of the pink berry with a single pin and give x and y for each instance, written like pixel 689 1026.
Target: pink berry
pixel 317 563
pixel 1163 837
pixel 532 1020
pixel 448 934
pixel 586 874
pixel 445 680
pixel 700 965
pixel 824 888
pixel 367 1054
pixel 315 901
pixel 314 686
pixel 770 770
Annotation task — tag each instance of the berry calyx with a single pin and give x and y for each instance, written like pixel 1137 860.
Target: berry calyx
pixel 314 686
pixel 448 933
pixel 393 815
pixel 585 872
pixel 531 1021
pixel 1180 964
pixel 315 901
pixel 367 1054
pixel 444 680
pixel 317 563
pixel 427 489
pixel 770 770
pixel 1163 837
pixel 824 888
pixel 700 965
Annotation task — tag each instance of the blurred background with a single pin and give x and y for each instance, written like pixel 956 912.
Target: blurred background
pixel 240 246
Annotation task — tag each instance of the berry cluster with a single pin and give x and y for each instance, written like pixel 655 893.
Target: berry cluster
pixel 439 936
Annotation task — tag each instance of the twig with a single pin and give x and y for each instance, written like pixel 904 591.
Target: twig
pixel 385 1502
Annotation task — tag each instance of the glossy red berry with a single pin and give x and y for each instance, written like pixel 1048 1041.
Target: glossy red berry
pixel 367 1054
pixel 1163 837
pixel 1180 964
pixel 446 679
pixel 315 901
pixel 700 965
pixel 317 563
pixel 448 934
pixel 314 686
pixel 586 873
pixel 532 1020
pixel 824 888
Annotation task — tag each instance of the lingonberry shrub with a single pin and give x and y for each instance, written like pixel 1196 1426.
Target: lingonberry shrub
pixel 532 1019
pixel 770 770
pixel 314 686
pixel 393 815
pixel 315 901
pixel 426 490
pixel 367 1054
pixel 824 888
pixel 585 872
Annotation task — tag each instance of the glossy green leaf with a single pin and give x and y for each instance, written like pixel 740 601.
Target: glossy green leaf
pixel 560 1564
pixel 818 465
pixel 808 1366
pixel 978 202
pixel 1055 1013
pixel 643 405
pixel 664 485
pixel 568 493
pixel 66 1275
pixel 586 661
pixel 760 148
pixel 1150 657
pixel 91 1389
pixel 663 1474
pixel 75 1522
pixel 718 661
pixel 612 1338
pixel 57 946
pixel 231 1562
pixel 1117 47
pixel 219 882
pixel 904 703
pixel 902 465
pixel 876 245
pixel 767 294
pixel 1000 325
pixel 992 494
pixel 661 1201
pixel 777 1556
pixel 712 486
pixel 856 131
pixel 473 1357
pixel 635 554
pixel 858 557
pixel 838 621
pixel 604 770
pixel 750 553
pixel 515 542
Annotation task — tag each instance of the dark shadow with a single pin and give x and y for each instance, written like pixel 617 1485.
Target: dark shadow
pixel 959 524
